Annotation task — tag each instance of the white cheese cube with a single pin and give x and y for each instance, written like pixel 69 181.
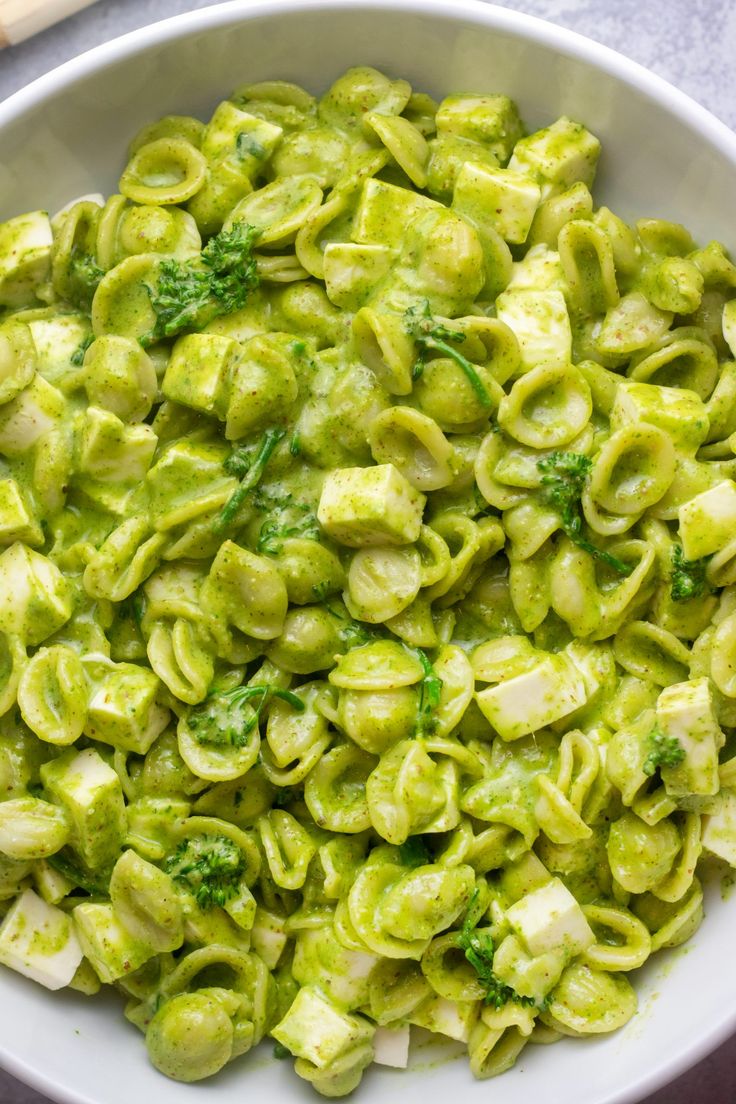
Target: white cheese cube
pixel 550 920
pixel 267 936
pixel 112 951
pixel 558 155
pixel 16 521
pixel 315 1029
pixel 114 452
pixel 352 272
pixel 539 269
pixel 385 211
pixel 365 506
pixel 91 793
pixel 678 412
pixel 391 1046
pixel 708 521
pixel 685 712
pixel 198 372
pixel 501 198
pixel 719 829
pixel 29 415
pixel 452 1018
pixel 541 324
pixel 35 598
pixel 25 257
pixel 535 698
pixel 57 340
pixel 123 710
pixel 223 131
pixel 38 940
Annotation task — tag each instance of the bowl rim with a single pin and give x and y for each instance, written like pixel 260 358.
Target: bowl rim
pixel 562 40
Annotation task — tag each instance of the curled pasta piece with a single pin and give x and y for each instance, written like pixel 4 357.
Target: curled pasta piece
pixel 589 1001
pixel 414 444
pixel 288 848
pixel 335 790
pixel 182 659
pixel 498 1038
pixel 382 582
pixel 295 740
pixel 494 490
pixel 676 884
pixel 528 525
pixel 167 170
pixel 53 694
pixel 377 719
pixel 723 656
pixel 408 792
pixel 633 470
pixel 650 652
pixel 587 259
pixel 626 943
pixel 278 210
pixel 560 804
pixel 547 407
pixel 32 829
pixel 12 662
pixel 219 739
pixel 671 923
pixel 683 357
pixel 124 561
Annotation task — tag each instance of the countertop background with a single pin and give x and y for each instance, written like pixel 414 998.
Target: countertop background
pixel 691 43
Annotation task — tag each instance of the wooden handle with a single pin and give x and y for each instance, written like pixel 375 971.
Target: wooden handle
pixel 20 19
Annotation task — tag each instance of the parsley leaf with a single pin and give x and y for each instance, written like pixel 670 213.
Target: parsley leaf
pixel 563 481
pixel 226 718
pixel 248 466
pixel 77 357
pixel 430 689
pixel 432 335
pixel 479 950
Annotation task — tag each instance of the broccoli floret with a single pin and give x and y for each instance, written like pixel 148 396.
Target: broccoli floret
pixel 217 282
pixel 664 751
pixel 248 465
pixel 227 718
pixel 563 481
pixel 688 576
pixel 210 866
pixel 431 335
pixel 85 274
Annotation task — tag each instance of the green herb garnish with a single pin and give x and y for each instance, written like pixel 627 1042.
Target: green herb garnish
pixel 210 866
pixel 664 751
pixel 226 718
pixel 688 576
pixel 431 335
pixel 248 465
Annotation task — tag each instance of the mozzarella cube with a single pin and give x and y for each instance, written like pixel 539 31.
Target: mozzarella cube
pixel 491 119
pixel 445 1017
pixel 385 211
pixel 500 198
pixel 198 372
pixel 352 272
pixel 222 136
pixel 708 521
pixel 267 936
pixel 113 452
pixel 315 1029
pixel 17 523
pixel 678 412
pixel 558 155
pixel 550 920
pixel 719 829
pixel 535 698
pixel 110 948
pixel 35 598
pixel 123 710
pixel 366 506
pixel 38 940
pixel 686 713
pixel 391 1046
pixel 37 409
pixel 539 269
pixel 91 793
pixel 541 324
pixel 25 257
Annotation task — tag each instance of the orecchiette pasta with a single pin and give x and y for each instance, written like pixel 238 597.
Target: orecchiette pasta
pixel 367 583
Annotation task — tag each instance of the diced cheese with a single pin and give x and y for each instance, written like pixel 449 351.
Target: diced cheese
pixel 267 937
pixel 719 829
pixel 35 598
pixel 315 1029
pixel 91 793
pixel 114 452
pixel 391 1046
pixel 38 940
pixel 551 920
pixel 535 698
pixel 27 417
pixel 501 198
pixel 353 271
pixel 25 257
pixel 679 412
pixel 16 521
pixel 365 506
pixel 558 155
pixel 109 946
pixel 452 1018
pixel 708 521
pixel 539 269
pixel 198 371
pixel 685 712
pixel 385 211
pixel 123 710
pixel 541 324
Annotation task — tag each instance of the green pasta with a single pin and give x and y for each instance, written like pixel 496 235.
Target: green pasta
pixel 367 584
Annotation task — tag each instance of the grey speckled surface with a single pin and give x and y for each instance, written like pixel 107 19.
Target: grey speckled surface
pixel 690 42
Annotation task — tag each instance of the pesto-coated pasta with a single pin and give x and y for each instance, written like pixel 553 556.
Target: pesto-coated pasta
pixel 367 583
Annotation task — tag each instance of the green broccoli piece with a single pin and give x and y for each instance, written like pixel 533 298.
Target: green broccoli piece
pixel 664 751
pixel 479 950
pixel 688 576
pixel 85 275
pixel 193 292
pixel 563 481
pixel 431 335
pixel 227 719
pixel 210 866
pixel 248 465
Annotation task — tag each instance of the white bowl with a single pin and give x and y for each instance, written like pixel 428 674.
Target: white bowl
pixel 663 156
